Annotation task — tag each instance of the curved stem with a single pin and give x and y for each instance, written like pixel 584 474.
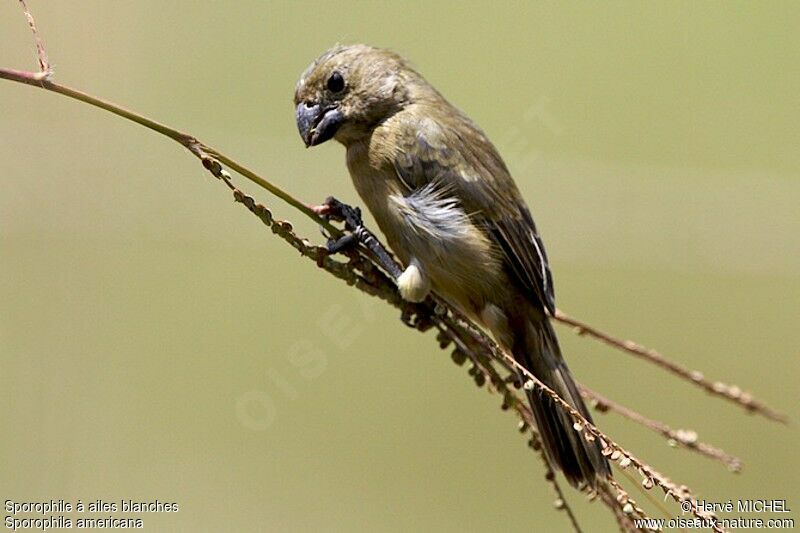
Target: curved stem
pixel 198 148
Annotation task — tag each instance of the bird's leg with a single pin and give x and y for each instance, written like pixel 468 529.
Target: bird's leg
pixel 333 209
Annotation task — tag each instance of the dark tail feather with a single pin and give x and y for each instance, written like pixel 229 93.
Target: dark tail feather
pixel 568 450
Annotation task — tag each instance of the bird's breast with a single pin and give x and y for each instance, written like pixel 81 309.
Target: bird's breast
pixel 455 253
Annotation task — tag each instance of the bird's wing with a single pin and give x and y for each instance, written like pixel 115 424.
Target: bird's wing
pixel 461 159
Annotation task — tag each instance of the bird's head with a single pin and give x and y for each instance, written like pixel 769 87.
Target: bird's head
pixel 348 90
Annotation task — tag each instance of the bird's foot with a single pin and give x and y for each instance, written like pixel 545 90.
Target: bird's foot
pixel 333 209
pixel 338 211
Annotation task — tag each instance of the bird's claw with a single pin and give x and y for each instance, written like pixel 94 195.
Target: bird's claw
pixel 335 246
pixel 321 210
pixel 333 209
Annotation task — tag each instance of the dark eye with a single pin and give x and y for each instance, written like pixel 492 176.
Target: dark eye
pixel 335 82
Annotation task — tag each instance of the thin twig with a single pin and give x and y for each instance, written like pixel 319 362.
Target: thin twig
pixel 677 437
pixel 45 70
pixel 730 392
pixel 197 148
pixel 524 412
pixel 614 451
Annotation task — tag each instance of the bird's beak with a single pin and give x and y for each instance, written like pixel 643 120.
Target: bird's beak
pixel 317 124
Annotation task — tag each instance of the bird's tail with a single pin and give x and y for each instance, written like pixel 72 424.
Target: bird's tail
pixel 568 450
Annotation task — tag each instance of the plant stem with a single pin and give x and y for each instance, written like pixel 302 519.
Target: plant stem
pixel 198 148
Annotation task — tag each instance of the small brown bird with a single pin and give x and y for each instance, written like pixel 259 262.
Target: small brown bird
pixel 451 212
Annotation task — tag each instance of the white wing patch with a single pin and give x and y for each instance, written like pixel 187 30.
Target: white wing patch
pixel 542 262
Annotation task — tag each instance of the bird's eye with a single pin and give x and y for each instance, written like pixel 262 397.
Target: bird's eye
pixel 336 82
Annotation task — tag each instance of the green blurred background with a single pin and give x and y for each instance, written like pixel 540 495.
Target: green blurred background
pixel 157 343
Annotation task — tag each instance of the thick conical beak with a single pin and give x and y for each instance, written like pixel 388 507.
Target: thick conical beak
pixel 316 124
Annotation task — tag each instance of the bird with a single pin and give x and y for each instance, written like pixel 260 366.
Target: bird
pixel 449 209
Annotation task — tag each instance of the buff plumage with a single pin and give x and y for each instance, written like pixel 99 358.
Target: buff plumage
pixel 449 209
